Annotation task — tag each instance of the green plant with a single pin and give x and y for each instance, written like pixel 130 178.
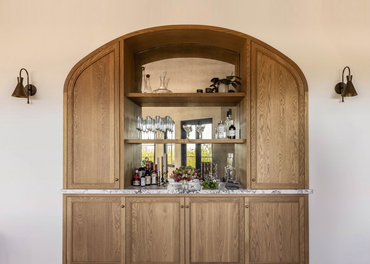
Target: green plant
pixel 232 79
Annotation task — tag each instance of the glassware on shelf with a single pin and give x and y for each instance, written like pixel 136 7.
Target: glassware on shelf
pixel 148 86
pixel 139 125
pixel 143 84
pixel 221 130
pixel 187 129
pixel 158 122
pixel 163 86
pixel 200 129
pixel 149 126
pixel 155 128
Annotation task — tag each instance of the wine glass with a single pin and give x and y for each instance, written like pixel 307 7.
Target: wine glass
pixel 200 129
pixel 157 125
pixel 188 129
pixel 144 130
pixel 149 126
pixel 139 125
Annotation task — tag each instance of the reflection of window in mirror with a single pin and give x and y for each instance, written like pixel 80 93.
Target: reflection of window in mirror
pixel 193 154
pixel 147 151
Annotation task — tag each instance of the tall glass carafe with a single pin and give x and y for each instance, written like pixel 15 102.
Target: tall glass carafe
pixel 142 84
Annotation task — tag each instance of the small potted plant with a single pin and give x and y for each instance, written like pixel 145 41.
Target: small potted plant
pixel 223 85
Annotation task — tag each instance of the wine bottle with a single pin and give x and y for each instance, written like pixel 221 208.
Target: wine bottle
pixel 148 177
pixel 136 180
pixel 232 130
pixel 154 175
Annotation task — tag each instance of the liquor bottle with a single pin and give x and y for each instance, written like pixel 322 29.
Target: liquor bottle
pixel 232 131
pixel 221 129
pixel 142 180
pixel 142 168
pixel 227 122
pixel 136 181
pixel 148 177
pixel 154 175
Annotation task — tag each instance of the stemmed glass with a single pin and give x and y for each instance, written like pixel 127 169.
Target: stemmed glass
pixel 200 129
pixel 157 125
pixel 187 129
pixel 139 125
pixel 149 126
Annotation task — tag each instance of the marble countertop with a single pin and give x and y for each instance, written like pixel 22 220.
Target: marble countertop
pixel 164 190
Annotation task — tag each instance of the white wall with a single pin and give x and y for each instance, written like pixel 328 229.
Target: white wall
pixel 49 37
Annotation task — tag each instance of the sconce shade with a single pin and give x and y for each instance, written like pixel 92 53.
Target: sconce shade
pixel 349 90
pixel 24 92
pixel 346 89
pixel 19 90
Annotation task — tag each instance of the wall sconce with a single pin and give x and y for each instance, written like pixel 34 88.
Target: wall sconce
pixel 346 89
pixel 24 92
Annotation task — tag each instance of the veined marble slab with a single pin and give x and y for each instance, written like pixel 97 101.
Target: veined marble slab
pixel 163 190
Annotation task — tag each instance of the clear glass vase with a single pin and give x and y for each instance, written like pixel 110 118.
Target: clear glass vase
pixel 185 185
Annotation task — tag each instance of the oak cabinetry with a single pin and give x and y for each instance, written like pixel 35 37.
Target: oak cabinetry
pixel 94 231
pixel 101 149
pixel 91 116
pixel 155 230
pixel 102 100
pixel 214 230
pixel 278 122
pixel 277 230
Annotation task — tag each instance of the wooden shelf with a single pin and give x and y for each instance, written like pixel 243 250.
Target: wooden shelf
pixel 185 141
pixel 186 99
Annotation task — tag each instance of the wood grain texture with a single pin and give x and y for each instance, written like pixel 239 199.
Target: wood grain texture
pixel 278 128
pixel 187 50
pixel 154 230
pixel 92 123
pixel 185 99
pixel 171 35
pixel 214 230
pixel 277 230
pixel 242 152
pixel 93 230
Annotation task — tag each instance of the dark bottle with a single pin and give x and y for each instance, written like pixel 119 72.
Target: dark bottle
pixel 136 180
pixel 148 176
pixel 154 175
pixel 232 130
pixel 142 175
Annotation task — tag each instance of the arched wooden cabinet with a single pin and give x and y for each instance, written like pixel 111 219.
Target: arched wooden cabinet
pixel 101 148
pixel 101 98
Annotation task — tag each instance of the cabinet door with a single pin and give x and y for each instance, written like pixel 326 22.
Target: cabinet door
pixel 214 230
pixel 276 230
pixel 155 230
pixel 92 122
pixel 278 122
pixel 93 230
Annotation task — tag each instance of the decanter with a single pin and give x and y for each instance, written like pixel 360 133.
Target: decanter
pixel 163 87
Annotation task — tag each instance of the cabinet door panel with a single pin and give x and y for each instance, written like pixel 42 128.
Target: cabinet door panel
pixel 276 230
pixel 93 129
pixel 155 230
pixel 278 120
pixel 94 230
pixel 215 230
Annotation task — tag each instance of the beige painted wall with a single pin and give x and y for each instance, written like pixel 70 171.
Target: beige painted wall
pixel 48 37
